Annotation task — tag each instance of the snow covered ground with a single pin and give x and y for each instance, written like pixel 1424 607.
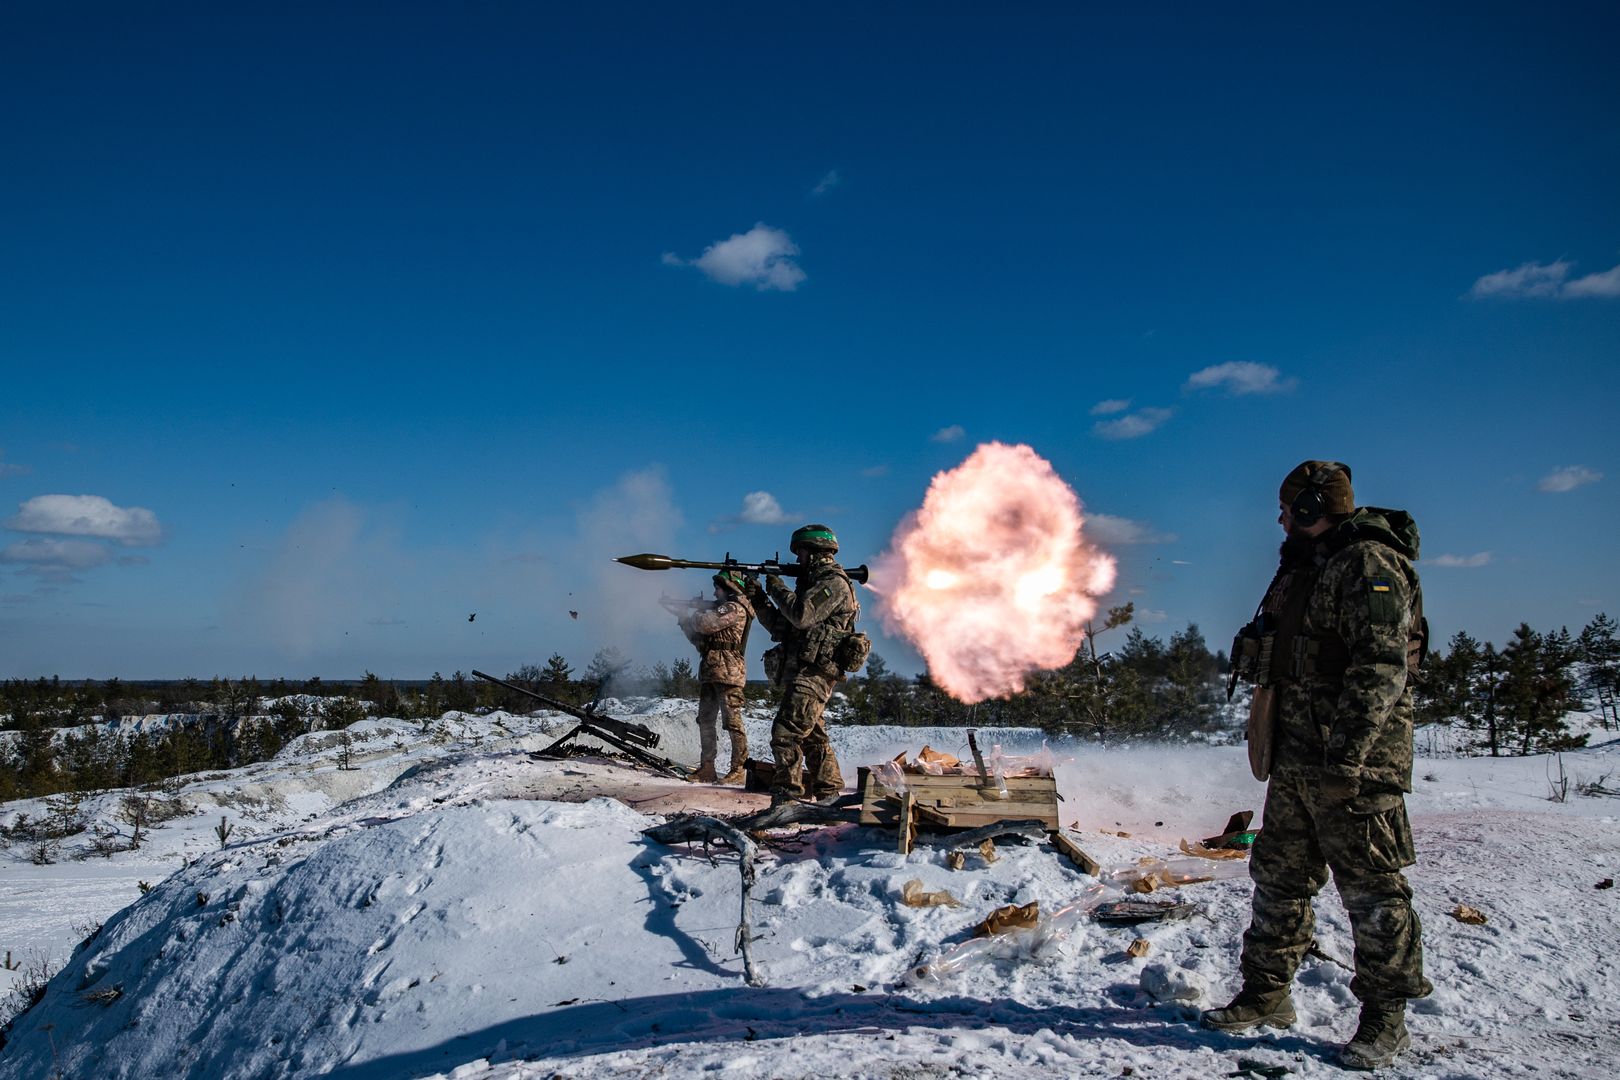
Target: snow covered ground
pixel 450 907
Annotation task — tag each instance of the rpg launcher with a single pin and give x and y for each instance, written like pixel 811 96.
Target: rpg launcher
pixel 772 566
pixel 633 740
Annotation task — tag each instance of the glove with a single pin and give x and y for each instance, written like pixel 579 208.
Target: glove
pixel 772 582
pixel 1340 788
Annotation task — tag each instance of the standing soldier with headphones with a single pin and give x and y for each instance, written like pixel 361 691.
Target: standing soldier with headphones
pixel 814 622
pixel 1333 649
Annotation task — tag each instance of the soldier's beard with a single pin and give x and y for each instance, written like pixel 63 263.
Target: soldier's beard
pixel 1296 548
pixel 992 578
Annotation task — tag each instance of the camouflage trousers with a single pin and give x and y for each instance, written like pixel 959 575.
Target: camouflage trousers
pixel 799 738
pixel 1365 842
pixel 717 701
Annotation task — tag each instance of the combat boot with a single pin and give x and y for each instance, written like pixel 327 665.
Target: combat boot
pixel 1252 1009
pixel 739 757
pixel 705 774
pixel 1380 1037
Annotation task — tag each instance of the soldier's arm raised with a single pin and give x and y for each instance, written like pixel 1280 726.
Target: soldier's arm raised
pixel 724 616
pixel 1373 598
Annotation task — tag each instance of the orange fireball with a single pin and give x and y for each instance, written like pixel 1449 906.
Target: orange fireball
pixel 992 578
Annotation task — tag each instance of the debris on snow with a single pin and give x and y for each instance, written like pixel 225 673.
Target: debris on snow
pixel 1010 917
pixel 913 894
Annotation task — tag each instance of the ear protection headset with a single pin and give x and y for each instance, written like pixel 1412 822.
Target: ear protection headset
pixel 1310 504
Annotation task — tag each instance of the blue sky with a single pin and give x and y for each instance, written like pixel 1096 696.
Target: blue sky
pixel 354 323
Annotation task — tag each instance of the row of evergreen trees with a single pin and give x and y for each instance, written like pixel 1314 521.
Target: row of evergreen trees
pixel 1145 688
pixel 1515 699
pixel 1511 700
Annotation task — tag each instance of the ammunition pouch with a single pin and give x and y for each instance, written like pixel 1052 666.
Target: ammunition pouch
pixel 1252 651
pixel 775 663
pixel 850 653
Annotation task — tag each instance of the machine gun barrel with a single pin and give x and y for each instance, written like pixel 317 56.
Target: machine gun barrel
pixel 770 566
pixel 624 729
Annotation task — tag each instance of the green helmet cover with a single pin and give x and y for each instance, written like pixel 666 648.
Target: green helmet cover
pixel 730 579
pixel 814 537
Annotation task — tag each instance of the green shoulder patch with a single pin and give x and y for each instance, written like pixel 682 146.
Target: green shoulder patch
pixel 1383 602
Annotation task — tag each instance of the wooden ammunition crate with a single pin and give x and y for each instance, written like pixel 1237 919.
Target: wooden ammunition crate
pixel 961 802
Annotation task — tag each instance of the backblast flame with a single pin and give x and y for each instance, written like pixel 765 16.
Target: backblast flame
pixel 991 579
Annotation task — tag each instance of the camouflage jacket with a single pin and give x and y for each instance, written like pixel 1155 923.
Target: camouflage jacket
pixel 1345 702
pixel 811 618
pixel 720 633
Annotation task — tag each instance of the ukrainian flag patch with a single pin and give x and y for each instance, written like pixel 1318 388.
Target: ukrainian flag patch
pixel 1380 585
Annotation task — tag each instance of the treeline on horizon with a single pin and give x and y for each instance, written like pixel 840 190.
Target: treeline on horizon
pixel 1512 700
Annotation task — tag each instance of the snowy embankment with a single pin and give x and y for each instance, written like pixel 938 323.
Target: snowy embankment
pixel 454 906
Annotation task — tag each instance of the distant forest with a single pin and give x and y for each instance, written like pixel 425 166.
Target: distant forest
pixel 1509 700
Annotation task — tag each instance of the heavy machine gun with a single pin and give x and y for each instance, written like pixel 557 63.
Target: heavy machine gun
pixel 635 741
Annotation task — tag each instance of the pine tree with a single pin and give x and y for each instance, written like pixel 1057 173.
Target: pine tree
pixel 1599 650
pixel 1447 692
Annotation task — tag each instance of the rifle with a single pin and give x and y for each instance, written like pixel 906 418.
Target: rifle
pixel 633 740
pixel 681 608
pixel 769 566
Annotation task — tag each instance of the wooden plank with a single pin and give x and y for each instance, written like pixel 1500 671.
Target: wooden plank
pixel 972 821
pixel 1006 807
pixel 929 782
pixel 908 825
pixel 1072 852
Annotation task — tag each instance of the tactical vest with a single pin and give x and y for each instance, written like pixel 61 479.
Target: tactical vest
pixel 731 640
pixel 1302 655
pixel 1274 647
pixel 818 645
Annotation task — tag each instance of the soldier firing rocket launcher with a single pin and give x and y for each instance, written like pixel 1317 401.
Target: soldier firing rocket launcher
pixel 772 566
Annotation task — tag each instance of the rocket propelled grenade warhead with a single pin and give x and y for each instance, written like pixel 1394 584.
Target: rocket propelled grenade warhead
pixel 649 561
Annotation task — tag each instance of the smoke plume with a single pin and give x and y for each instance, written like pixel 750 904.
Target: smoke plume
pixel 991 579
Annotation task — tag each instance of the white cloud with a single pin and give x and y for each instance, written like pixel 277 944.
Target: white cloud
pixel 1605 285
pixel 57 554
pixel 1528 279
pixel 761 257
pixel 1547 281
pixel 1151 615
pixel 1108 529
pixel 827 183
pixel 875 471
pixel 87 515
pixel 1481 558
pixel 1241 377
pixel 1110 407
pixel 1134 426
pixel 8 469
pixel 954 433
pixel 1568 478
pixel 759 508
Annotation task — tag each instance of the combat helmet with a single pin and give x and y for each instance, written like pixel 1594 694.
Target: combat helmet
pixel 730 579
pixel 813 538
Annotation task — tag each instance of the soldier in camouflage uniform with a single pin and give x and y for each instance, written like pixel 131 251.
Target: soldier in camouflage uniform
pixel 1346 612
pixel 720 633
pixel 809 621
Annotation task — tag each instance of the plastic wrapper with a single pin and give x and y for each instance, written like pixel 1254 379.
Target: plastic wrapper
pixel 1151 874
pixel 1018 944
pixel 891 777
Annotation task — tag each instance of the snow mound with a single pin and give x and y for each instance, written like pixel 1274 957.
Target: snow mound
pixel 473 913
